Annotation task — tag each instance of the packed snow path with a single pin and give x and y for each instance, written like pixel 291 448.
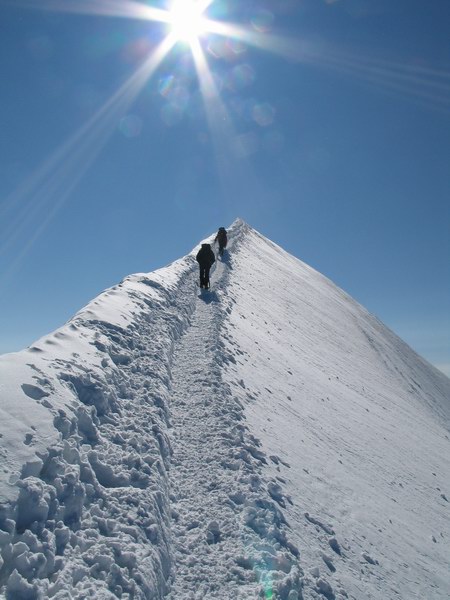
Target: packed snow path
pixel 228 533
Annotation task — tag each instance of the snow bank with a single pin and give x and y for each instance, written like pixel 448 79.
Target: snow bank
pixel 84 508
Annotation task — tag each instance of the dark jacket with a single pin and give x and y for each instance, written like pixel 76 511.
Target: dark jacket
pixel 205 256
pixel 221 237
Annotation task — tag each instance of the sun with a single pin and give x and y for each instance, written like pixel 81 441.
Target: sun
pixel 186 20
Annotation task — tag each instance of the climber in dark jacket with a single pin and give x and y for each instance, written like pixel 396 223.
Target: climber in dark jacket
pixel 222 238
pixel 205 258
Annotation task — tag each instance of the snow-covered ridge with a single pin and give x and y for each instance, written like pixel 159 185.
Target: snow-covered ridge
pixel 83 422
pixel 84 500
pixel 269 438
pixel 362 421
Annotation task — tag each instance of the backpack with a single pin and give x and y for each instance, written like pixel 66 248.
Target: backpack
pixel 222 237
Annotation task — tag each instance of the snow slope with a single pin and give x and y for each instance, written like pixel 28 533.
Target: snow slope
pixel 268 438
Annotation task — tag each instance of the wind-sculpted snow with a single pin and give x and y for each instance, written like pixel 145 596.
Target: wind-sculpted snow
pixel 266 439
pixel 84 507
pixel 362 421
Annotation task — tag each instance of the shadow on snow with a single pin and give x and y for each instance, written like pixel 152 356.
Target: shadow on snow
pixel 208 297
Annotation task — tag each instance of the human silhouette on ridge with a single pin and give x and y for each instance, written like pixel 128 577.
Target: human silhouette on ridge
pixel 205 258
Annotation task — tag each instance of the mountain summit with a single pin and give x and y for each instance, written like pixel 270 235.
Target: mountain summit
pixel 268 438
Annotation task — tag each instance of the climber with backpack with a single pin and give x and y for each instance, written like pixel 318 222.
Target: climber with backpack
pixel 222 239
pixel 205 258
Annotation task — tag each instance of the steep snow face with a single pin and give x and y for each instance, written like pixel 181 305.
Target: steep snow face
pixel 356 425
pixel 266 439
pixel 84 507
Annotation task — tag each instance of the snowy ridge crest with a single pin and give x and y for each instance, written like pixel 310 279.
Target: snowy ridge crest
pixel 231 538
pixel 87 506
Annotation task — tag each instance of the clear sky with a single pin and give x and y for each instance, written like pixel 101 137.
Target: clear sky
pixel 325 124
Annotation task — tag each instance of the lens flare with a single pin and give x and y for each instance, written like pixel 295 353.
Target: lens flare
pixel 240 77
pixel 263 114
pixel 131 126
pixel 38 199
pixel 262 21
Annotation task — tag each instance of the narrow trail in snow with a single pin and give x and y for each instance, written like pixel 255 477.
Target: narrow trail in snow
pixel 228 535
pixel 207 533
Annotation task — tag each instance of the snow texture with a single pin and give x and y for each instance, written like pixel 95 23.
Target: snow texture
pixel 268 438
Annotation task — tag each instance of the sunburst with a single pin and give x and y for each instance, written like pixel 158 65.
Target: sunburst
pixel 187 20
pixel 186 23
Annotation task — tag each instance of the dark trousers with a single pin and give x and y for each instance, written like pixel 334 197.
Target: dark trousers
pixel 204 275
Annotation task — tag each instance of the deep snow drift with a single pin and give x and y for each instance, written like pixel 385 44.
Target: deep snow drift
pixel 268 438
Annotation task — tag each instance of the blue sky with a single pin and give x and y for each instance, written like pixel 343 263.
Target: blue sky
pixel 327 128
